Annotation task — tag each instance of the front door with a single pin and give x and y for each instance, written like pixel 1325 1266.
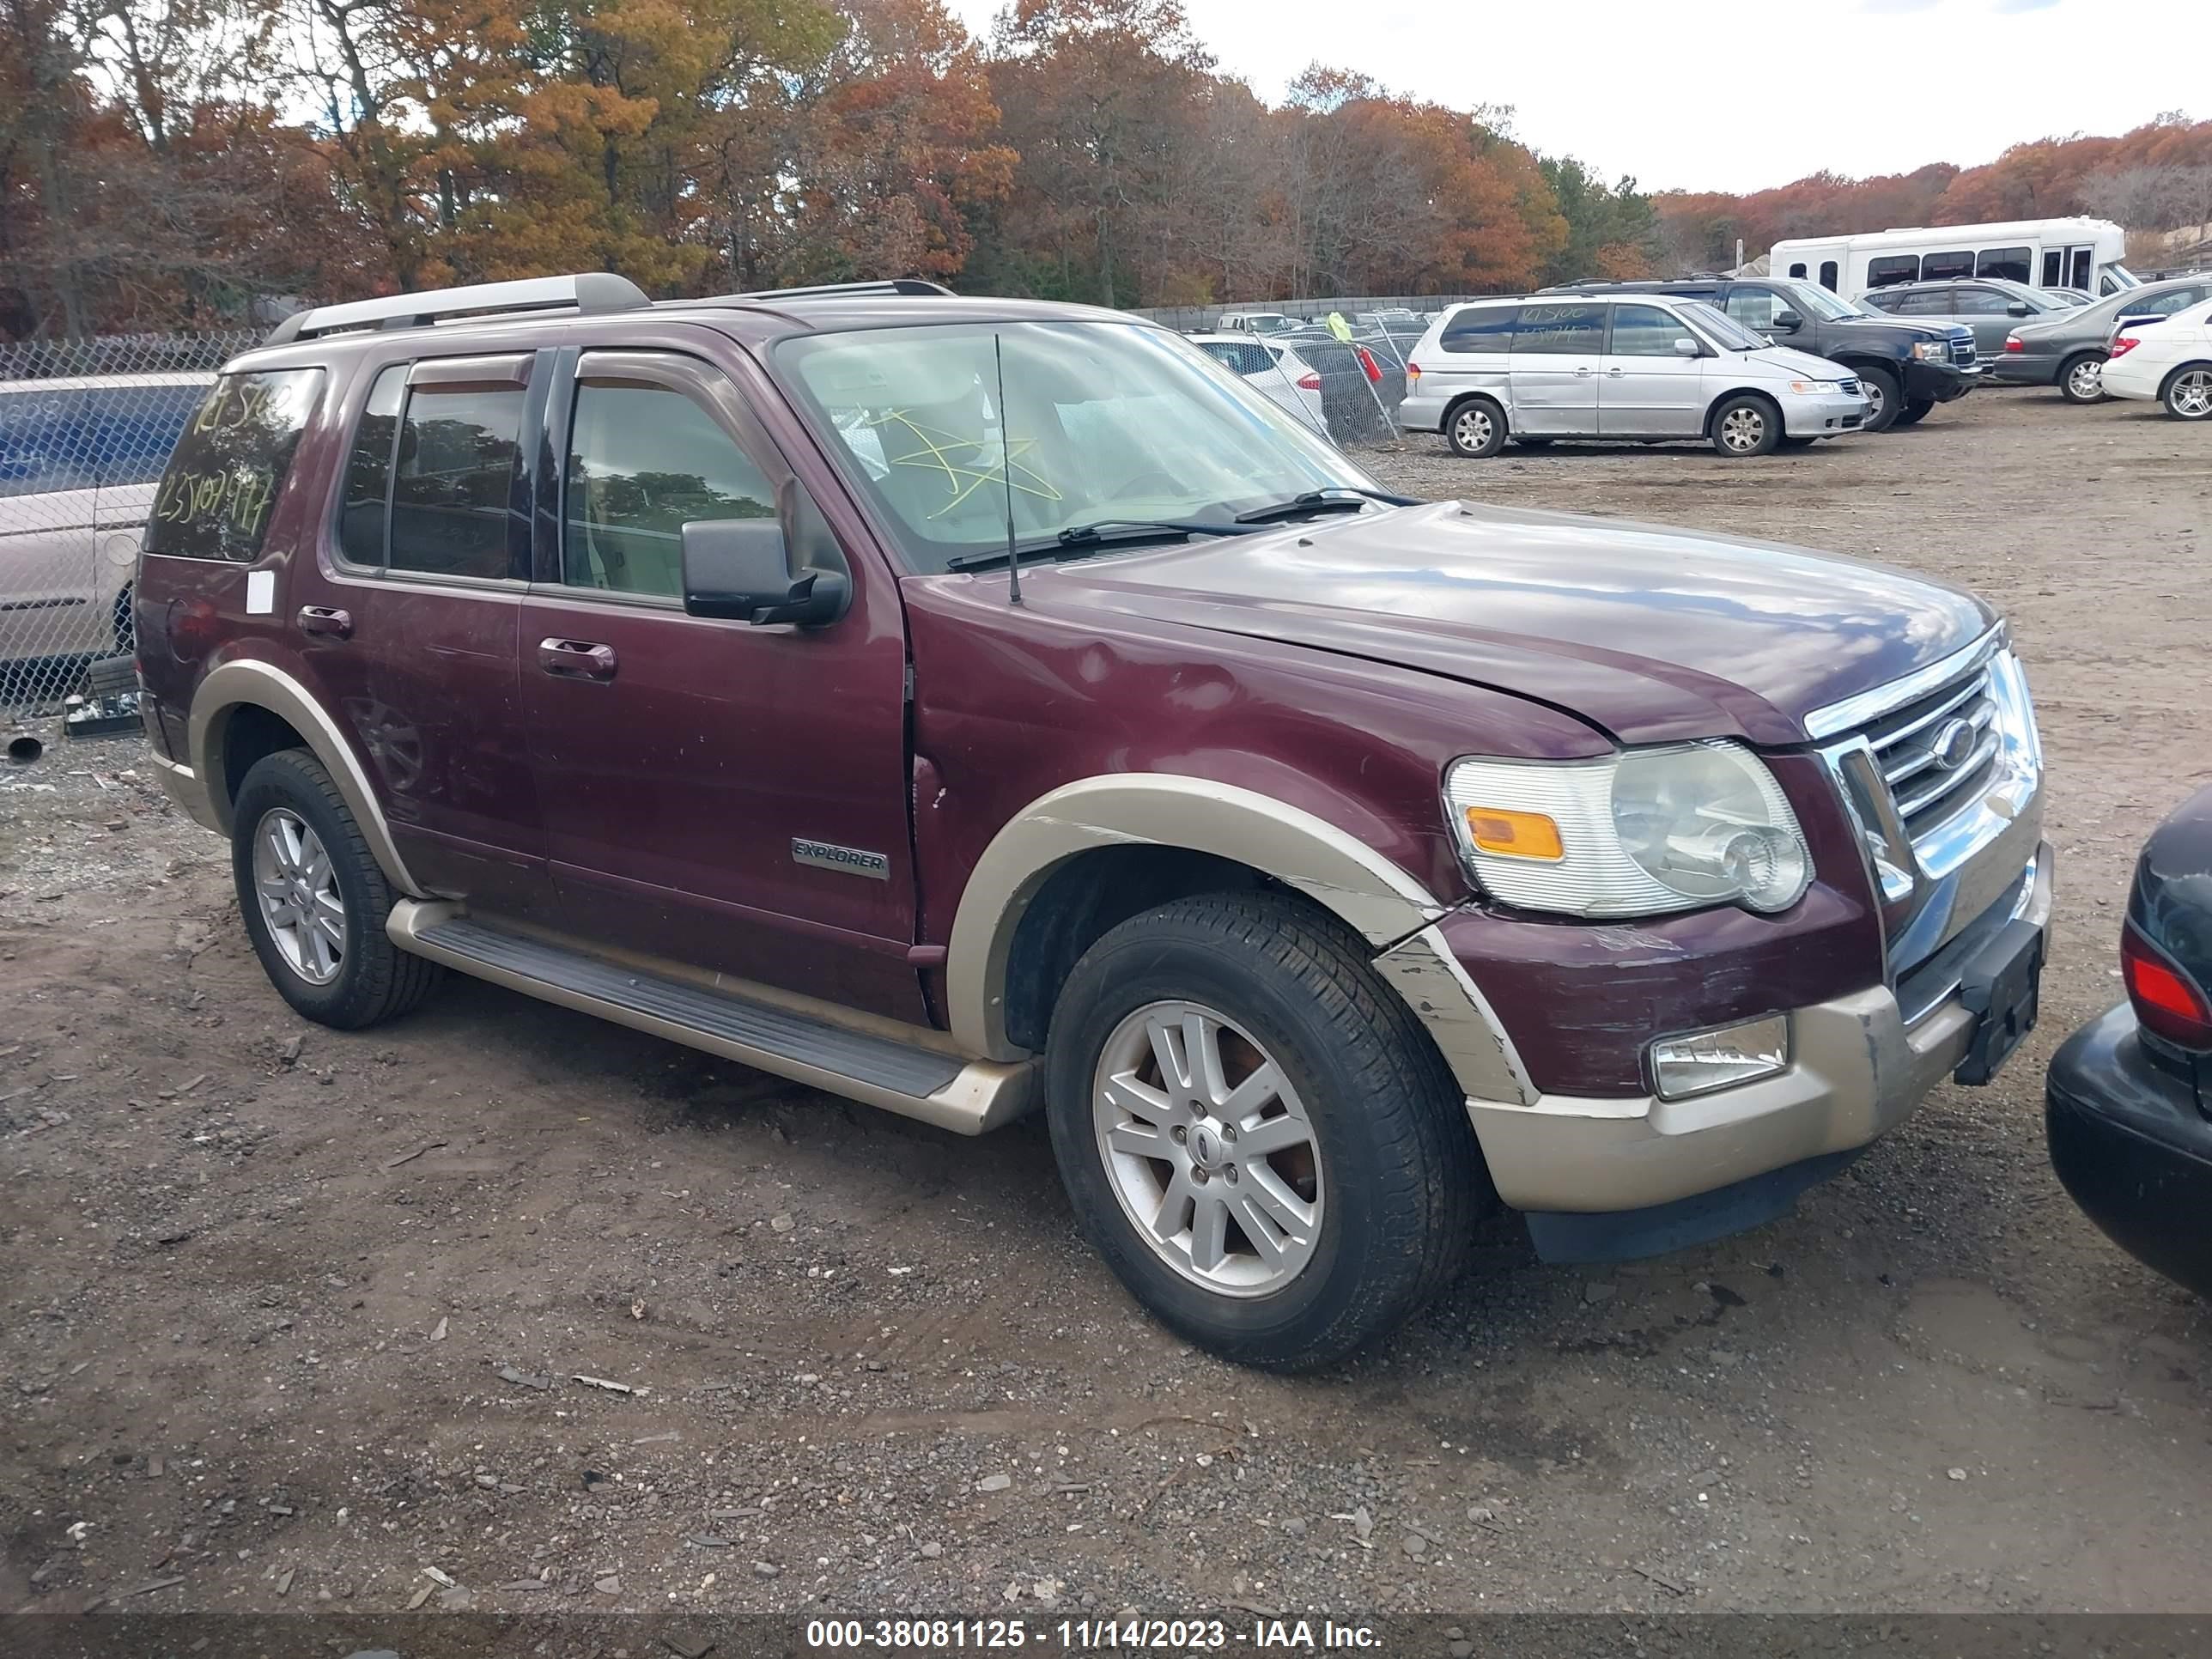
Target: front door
pixel 729 796
pixel 1556 353
pixel 1650 389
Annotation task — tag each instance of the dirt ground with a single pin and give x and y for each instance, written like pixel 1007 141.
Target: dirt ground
pixel 289 1318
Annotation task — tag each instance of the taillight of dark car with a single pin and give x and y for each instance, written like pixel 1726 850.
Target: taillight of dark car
pixel 2168 1003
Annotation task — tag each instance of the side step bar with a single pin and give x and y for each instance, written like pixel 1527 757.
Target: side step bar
pixel 913 1079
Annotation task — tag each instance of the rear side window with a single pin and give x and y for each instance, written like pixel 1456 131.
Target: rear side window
pixel 223 480
pixel 1244 359
pixel 85 437
pixel 361 507
pixel 1481 328
pixel 1559 331
pixel 2015 264
pixel 1893 269
pixel 1938 266
pixel 1930 302
pixel 453 482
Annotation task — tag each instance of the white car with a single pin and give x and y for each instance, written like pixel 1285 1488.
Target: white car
pixel 80 461
pixel 1256 322
pixel 2167 361
pixel 1276 372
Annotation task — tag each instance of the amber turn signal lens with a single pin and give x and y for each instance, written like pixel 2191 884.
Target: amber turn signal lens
pixel 1516 834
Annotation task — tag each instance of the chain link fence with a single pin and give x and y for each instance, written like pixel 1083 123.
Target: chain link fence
pixel 86 426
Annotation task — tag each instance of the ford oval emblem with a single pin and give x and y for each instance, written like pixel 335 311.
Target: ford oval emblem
pixel 1952 744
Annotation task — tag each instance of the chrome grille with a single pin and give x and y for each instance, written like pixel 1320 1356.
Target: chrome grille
pixel 1962 351
pixel 1850 385
pixel 1932 766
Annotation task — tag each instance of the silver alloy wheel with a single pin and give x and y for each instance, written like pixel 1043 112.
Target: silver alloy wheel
pixel 1877 400
pixel 1472 429
pixel 1208 1149
pixel 1743 428
pixel 2086 380
pixel 2191 394
pixel 298 887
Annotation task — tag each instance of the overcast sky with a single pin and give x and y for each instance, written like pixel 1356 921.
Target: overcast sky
pixel 1738 95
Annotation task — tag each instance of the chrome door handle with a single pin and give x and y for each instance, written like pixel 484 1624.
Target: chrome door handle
pixel 576 660
pixel 322 619
pixel 1612 373
pixel 1584 374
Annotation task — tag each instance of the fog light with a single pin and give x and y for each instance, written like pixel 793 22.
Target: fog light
pixel 1706 1061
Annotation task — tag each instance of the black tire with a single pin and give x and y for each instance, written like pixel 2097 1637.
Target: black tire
pixel 2187 393
pixel 1744 426
pixel 1397 1164
pixel 1915 411
pixel 1884 399
pixel 1535 443
pixel 374 980
pixel 2076 385
pixel 1788 442
pixel 1475 428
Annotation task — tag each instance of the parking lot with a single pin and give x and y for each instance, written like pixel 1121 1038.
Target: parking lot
pixel 580 1319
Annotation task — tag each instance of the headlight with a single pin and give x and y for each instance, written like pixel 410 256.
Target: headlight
pixel 1636 834
pixel 1816 386
pixel 1931 351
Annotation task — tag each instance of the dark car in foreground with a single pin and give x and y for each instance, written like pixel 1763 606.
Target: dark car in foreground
pixel 2128 1102
pixel 1326 867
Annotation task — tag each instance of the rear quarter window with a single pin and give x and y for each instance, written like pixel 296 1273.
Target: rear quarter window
pixel 230 464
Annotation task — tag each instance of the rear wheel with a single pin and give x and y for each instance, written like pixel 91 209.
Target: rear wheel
pixel 315 900
pixel 1475 429
pixel 1915 411
pixel 1882 398
pixel 1254 1133
pixel 1744 426
pixel 2188 394
pixel 2082 378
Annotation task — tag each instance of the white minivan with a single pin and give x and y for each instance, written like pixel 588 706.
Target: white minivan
pixel 1637 368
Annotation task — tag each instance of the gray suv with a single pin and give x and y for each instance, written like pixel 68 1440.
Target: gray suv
pixel 2066 349
pixel 1989 306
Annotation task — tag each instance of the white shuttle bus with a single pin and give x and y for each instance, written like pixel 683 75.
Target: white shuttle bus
pixel 2079 254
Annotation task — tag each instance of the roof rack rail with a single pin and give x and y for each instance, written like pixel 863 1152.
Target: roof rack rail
pixel 585 293
pixel 908 285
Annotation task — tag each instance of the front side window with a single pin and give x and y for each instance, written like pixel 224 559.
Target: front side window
pixel 1980 302
pixel 1938 266
pixel 223 478
pixel 2014 264
pixel 1723 330
pixel 453 485
pixel 1893 269
pixel 1559 331
pixel 1097 421
pixel 1481 328
pixel 1754 307
pixel 643 462
pixel 1646 332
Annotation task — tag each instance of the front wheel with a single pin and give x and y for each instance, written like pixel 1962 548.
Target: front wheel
pixel 1745 426
pixel 1254 1132
pixel 1882 398
pixel 1915 411
pixel 1476 429
pixel 315 900
pixel 2082 379
pixel 2188 394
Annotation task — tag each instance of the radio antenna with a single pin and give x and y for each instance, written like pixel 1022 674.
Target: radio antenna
pixel 1006 472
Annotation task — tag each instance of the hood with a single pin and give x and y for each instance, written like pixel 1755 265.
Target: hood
pixel 1794 362
pixel 1903 326
pixel 1649 633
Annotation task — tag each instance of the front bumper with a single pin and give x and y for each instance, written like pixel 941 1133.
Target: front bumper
pixel 2131 1145
pixel 1857 1069
pixel 1826 415
pixel 1942 383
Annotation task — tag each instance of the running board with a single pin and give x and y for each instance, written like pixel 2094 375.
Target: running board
pixel 773 1032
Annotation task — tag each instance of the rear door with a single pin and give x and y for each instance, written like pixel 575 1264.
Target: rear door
pixel 730 796
pixel 1558 347
pixel 1650 390
pixel 407 626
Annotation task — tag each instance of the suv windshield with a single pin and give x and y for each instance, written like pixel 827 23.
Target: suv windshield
pixel 1816 303
pixel 1723 330
pixel 1103 421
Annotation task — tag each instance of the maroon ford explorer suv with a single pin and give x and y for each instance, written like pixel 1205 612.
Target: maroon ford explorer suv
pixel 968 706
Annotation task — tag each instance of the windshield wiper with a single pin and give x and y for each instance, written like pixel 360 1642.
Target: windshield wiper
pixel 1101 534
pixel 1336 498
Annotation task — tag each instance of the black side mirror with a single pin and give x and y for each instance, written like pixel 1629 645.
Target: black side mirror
pixel 1787 322
pixel 741 568
pixel 2020 308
